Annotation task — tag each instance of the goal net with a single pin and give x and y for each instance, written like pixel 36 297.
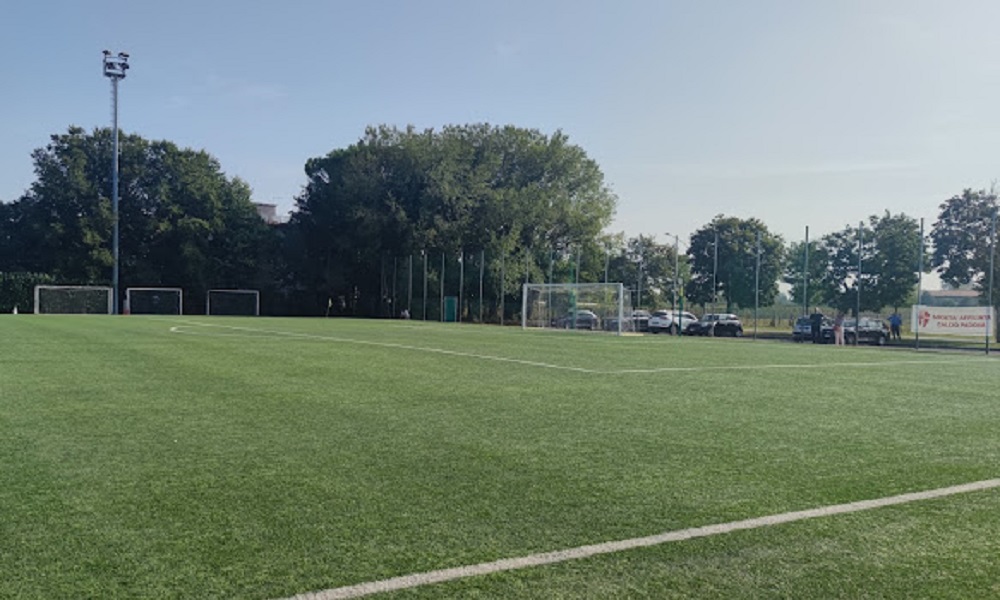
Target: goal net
pixel 73 299
pixel 589 306
pixel 154 301
pixel 233 302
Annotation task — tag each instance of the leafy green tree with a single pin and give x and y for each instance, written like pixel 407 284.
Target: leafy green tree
pixel 841 280
pixel 962 238
pixel 896 260
pixel 795 269
pixel 183 223
pixel 735 273
pixel 476 189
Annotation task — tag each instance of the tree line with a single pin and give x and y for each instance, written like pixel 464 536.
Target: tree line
pixel 511 204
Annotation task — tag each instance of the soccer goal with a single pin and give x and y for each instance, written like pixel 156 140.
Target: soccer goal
pixel 233 303
pixel 73 299
pixel 590 306
pixel 154 301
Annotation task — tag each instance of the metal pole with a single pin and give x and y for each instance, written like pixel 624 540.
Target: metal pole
pixel 114 189
pixel 857 316
pixel 442 287
pixel 577 276
pixel 993 245
pixel 503 254
pixel 920 282
pixel 115 68
pixel 409 288
pixel 607 262
pixel 461 282
pixel 805 276
pixel 638 286
pixel 423 253
pixel 638 281
pixel 756 287
pixel 715 269
pixel 394 312
pixel 677 270
pixel 527 265
pixel 482 273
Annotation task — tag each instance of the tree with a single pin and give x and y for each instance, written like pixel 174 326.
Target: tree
pixel 962 238
pixel 183 223
pixel 479 189
pixel 841 280
pixel 896 260
pixel 735 273
pixel 819 263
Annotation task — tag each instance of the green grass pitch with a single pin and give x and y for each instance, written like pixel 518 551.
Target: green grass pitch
pixel 193 457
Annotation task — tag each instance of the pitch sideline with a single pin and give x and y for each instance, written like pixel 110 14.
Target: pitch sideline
pixel 182 329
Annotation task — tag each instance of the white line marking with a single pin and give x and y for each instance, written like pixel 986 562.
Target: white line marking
pixel 253 332
pixel 530 363
pixel 547 558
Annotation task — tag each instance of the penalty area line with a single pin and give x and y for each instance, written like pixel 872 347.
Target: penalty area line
pixel 547 558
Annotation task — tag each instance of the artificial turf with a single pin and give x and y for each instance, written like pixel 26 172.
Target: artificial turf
pixel 261 458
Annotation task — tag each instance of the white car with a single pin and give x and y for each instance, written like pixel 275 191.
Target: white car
pixel 665 321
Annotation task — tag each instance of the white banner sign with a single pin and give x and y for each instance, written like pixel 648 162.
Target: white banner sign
pixel 966 320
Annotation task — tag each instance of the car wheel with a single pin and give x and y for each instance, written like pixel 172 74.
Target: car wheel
pixel 880 340
pixel 673 329
pixel 737 332
pixel 849 339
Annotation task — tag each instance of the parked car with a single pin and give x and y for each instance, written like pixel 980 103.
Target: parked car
pixel 579 319
pixel 716 324
pixel 667 321
pixel 802 330
pixel 871 331
pixel 637 321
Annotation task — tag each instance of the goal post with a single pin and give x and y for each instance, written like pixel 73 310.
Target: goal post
pixel 588 306
pixel 233 303
pixel 74 299
pixel 154 301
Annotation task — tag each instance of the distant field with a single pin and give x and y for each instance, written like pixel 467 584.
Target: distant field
pixel 200 457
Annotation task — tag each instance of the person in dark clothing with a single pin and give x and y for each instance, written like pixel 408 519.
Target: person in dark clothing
pixel 895 324
pixel 816 320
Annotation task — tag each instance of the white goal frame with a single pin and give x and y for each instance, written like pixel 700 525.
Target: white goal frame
pixel 617 311
pixel 208 299
pixel 109 292
pixel 179 291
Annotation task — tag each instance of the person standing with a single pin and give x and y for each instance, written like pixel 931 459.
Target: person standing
pixel 895 324
pixel 838 329
pixel 816 323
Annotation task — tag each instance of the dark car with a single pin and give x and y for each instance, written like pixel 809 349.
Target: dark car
pixel 869 331
pixel 637 321
pixel 802 330
pixel 579 319
pixel 716 324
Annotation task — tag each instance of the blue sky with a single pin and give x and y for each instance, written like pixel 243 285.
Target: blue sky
pixel 798 113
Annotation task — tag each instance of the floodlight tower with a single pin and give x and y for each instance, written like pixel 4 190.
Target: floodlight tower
pixel 115 67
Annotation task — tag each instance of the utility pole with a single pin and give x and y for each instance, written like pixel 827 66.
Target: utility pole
pixel 115 68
